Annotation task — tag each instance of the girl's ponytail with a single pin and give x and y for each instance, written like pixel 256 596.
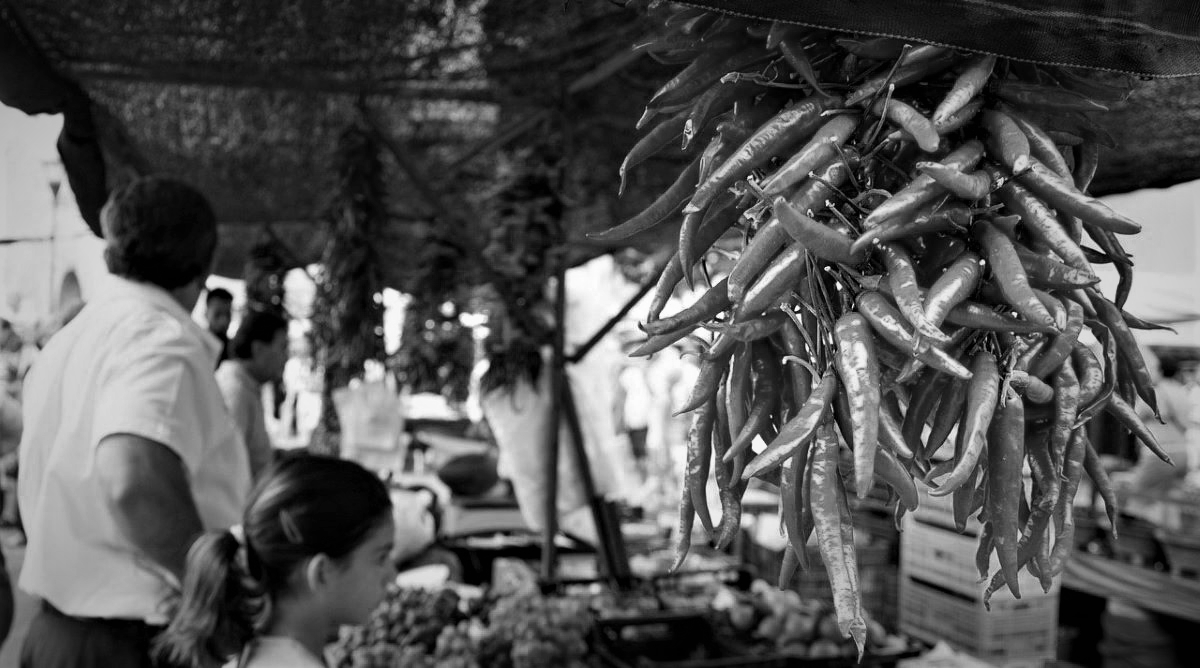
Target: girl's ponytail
pixel 219 605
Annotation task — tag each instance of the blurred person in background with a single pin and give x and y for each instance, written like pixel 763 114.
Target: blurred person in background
pixel 218 313
pixel 258 354
pixel 633 406
pixel 1151 478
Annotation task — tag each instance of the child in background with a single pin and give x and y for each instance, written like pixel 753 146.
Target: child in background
pixel 312 554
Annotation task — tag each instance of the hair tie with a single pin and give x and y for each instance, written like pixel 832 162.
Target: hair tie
pixel 290 530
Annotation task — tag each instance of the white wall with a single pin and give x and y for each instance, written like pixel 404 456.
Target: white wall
pixel 30 276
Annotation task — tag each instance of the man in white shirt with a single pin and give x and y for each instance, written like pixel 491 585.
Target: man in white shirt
pixel 128 452
pixel 257 355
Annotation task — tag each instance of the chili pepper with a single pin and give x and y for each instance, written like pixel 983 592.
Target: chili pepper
pixel 889 324
pixel 1124 284
pixel 737 398
pixel 879 48
pixel 774 284
pixel 661 209
pixel 923 62
pixel 1005 454
pixel 967 86
pixel 699 459
pixel 1064 196
pixel 727 486
pixel 1057 311
pixel 1127 416
pixel 910 120
pixel 1087 159
pixel 964 497
pixel 721 96
pixel 979 412
pixel 683 531
pixel 948 414
pixel 767 388
pixel 957 121
pixel 717 222
pixel 660 342
pixel 1066 410
pixel 1064 515
pixel 810 198
pixel 1005 141
pixel 978 316
pixel 753 329
pixel 893 473
pixel 707 381
pixel 1026 94
pixel 820 240
pixel 798 431
pixel 929 220
pixel 902 279
pixel 858 367
pixel 923 189
pixel 891 431
pixel 1088 371
pixel 794 124
pixel 1042 147
pixel 1135 322
pixel 1042 559
pixel 1041 223
pixel 801 378
pixel 952 287
pixel 650 143
pixel 713 301
pixel 818 151
pixel 1010 276
pixel 983 553
pixel 1096 257
pixel 1095 471
pixel 926 395
pixel 793 504
pixel 1046 272
pixel 705 70
pixel 827 497
pixel 970 186
pixel 1127 345
pixel 1090 407
pixel 787 567
pixel 793 52
pixel 1062 344
pixel 1109 243
pixel 1080 296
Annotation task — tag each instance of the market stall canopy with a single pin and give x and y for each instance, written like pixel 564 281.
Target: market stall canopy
pixel 248 99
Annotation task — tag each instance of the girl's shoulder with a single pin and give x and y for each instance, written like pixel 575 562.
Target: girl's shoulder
pixel 275 652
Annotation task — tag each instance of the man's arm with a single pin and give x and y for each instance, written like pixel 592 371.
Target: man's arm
pixel 149 494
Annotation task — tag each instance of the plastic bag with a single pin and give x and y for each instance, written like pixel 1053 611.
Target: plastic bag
pixel 520 420
pixel 372 425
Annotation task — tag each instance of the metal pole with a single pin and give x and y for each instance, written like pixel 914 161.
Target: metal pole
pixel 557 383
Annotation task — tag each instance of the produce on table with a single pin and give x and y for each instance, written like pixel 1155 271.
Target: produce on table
pixel 771 621
pixel 913 277
pixel 418 628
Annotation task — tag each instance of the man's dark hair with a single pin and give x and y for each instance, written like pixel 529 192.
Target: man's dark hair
pixel 218 294
pixel 159 231
pixel 261 326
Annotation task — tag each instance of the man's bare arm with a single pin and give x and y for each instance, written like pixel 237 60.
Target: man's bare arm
pixel 150 496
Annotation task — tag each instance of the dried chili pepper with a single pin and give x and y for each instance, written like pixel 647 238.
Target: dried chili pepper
pixel 983 391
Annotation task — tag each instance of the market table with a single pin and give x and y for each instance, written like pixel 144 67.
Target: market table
pixel 1142 587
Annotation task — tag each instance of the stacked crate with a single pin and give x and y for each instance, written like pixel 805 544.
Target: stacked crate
pixel 941 597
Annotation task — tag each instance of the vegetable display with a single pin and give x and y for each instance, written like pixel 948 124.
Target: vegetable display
pixel 908 299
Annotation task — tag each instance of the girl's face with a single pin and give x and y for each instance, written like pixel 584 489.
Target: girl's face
pixel 363 575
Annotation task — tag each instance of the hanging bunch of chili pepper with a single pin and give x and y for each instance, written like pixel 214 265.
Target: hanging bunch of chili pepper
pixel 913 279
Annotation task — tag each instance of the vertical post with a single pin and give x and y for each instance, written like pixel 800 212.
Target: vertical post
pixel 557 384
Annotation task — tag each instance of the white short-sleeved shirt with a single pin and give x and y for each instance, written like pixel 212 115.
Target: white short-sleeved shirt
pixel 132 362
pixel 243 398
pixel 275 652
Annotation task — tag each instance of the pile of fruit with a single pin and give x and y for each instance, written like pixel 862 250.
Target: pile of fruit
pixel 912 275
pixel 770 621
pixel 426 629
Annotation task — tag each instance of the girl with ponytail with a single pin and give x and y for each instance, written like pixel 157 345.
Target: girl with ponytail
pixel 311 554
